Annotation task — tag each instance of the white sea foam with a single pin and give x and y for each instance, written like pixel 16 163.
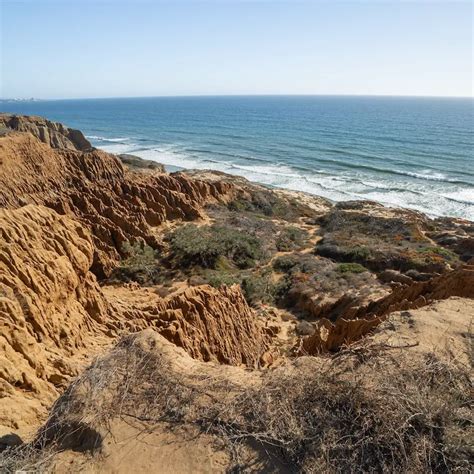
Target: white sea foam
pixel 463 196
pixel 434 196
pixel 118 148
pixel 428 175
pixel 105 139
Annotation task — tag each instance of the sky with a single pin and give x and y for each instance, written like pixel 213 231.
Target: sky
pixel 114 48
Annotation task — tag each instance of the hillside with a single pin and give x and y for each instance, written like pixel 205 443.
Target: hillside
pixel 210 324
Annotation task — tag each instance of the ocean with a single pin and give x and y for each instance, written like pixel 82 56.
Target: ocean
pixel 408 152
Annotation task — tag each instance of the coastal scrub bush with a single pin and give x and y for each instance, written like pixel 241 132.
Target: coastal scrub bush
pixel 269 204
pixel 290 238
pixel 350 268
pixel 261 202
pixel 208 245
pixel 438 252
pixel 258 288
pixel 138 254
pixel 348 253
pixel 400 414
pixel 358 253
pixel 138 264
pixel 301 263
pixel 285 263
pixel 219 278
pixel 281 289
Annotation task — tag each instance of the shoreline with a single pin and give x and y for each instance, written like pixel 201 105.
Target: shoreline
pixel 171 169
pixel 404 154
pixel 385 193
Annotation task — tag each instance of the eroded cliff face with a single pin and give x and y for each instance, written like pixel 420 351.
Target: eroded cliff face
pixel 66 211
pixel 53 134
pixel 50 307
pixel 117 207
pixel 211 324
pixel 358 322
pixel 54 316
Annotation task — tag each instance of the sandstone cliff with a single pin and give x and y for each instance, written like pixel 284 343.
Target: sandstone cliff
pixel 50 307
pixel 54 315
pixel 53 134
pixel 93 186
pixel 358 322
pixel 210 324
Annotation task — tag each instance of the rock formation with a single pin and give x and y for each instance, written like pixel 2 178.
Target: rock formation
pixel 52 310
pixel 93 186
pixel 54 134
pixel 140 164
pixel 50 304
pixel 210 324
pixel 359 322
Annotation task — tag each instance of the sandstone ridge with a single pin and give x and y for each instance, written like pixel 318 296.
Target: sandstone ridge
pixel 116 206
pixel 358 322
pixel 54 315
pixel 54 134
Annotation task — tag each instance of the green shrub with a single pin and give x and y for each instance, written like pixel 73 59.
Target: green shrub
pixel 440 252
pixel 344 252
pixel 138 264
pixel 138 255
pixel 258 288
pixel 359 253
pixel 239 205
pixel 285 263
pixel 217 278
pixel 208 245
pixel 351 268
pixel 290 238
pixel 267 203
pixel 281 289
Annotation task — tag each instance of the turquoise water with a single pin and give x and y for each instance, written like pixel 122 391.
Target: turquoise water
pixel 410 152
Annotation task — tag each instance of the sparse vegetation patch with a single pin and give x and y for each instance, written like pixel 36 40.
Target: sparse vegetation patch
pixel 207 245
pixel 351 268
pixel 139 264
pixel 402 416
pixel 291 238
pixel 438 251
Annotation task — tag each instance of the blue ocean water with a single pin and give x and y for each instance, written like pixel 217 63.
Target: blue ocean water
pixel 411 152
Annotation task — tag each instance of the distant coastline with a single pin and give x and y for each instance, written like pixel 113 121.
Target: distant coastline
pixel 403 152
pixel 206 96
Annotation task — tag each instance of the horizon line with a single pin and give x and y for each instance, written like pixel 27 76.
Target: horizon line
pixel 32 99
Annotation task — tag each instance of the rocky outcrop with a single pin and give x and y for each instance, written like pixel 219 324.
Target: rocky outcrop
pixel 330 336
pixel 50 304
pixel 210 324
pixel 54 134
pixel 116 206
pixel 54 315
pixel 456 235
pixel 459 282
pixel 140 164
pixel 356 323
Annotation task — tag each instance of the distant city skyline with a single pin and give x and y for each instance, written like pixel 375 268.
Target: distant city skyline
pixel 101 49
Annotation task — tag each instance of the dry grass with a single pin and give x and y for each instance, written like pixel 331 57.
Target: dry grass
pixel 364 411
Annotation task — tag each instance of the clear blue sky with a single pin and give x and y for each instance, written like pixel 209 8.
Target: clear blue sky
pixel 84 48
